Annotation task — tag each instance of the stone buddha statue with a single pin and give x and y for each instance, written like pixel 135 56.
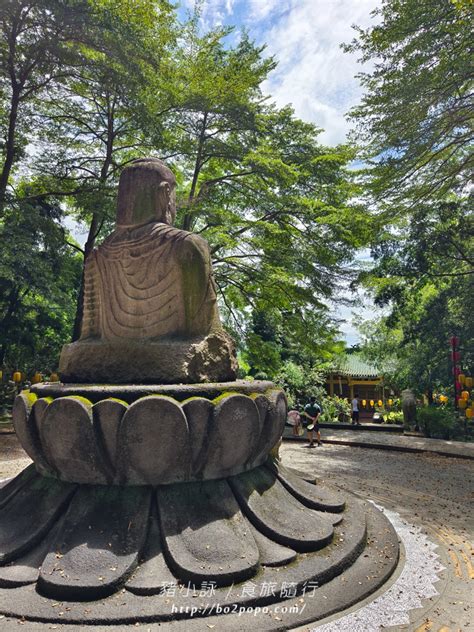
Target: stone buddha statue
pixel 150 304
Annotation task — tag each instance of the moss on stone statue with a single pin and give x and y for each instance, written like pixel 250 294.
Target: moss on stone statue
pixel 220 397
pixel 87 402
pixel 30 397
pixel 114 399
pixel 194 283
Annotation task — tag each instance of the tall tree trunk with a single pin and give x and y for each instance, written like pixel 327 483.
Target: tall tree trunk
pixel 88 247
pixel 94 228
pixel 187 219
pixel 9 146
pixel 5 322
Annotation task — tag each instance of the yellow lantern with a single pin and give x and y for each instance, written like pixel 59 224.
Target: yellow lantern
pixel 470 413
pixel 465 395
pixel 380 403
pixel 468 382
pixel 461 378
pixel 1 376
pixel 54 377
pixel 462 403
pixel 364 402
pixel 390 402
pixel 17 377
pixel 372 403
pixel 36 378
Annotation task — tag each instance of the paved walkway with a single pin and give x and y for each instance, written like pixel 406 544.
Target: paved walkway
pixel 390 441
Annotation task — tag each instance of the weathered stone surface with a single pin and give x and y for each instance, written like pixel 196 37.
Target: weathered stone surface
pixel 409 407
pixel 277 514
pixel 29 514
pixel 153 575
pixel 313 496
pixel 13 486
pixel 147 442
pixel 99 543
pixel 206 537
pixel 107 416
pixel 153 444
pixel 25 570
pixel 148 362
pixel 273 424
pixel 271 553
pixel 362 575
pixel 236 428
pixel 70 444
pixel 131 392
pixel 199 414
pixel 25 427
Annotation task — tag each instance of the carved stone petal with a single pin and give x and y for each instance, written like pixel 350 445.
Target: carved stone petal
pixel 313 496
pixel 273 425
pixel 26 430
pixel 198 411
pixel 206 537
pixel 99 544
pixel 29 515
pixel 271 553
pixel 107 416
pixel 235 429
pixel 277 514
pixel 25 570
pixel 153 445
pixel 153 574
pixel 13 486
pixel 70 443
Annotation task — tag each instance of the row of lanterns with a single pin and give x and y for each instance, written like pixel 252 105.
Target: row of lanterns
pixel 464 396
pixel 379 403
pixel 20 376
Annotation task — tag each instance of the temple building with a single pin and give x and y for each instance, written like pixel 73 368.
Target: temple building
pixel 351 375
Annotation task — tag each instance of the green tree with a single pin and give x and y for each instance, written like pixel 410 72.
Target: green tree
pixel 273 203
pixel 416 116
pixel 39 278
pixel 416 126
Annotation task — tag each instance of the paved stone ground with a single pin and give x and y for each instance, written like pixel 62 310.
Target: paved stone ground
pixel 428 490
pixel 385 440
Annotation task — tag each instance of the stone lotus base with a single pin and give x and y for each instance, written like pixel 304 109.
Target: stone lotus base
pixel 150 554
pixel 149 435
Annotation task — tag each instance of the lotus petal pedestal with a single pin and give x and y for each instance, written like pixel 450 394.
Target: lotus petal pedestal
pixel 161 503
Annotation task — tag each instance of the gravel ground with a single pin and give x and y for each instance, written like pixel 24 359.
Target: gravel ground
pixel 13 458
pixel 431 491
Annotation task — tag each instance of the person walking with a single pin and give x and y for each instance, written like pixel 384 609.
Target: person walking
pixel 294 419
pixel 355 411
pixel 312 410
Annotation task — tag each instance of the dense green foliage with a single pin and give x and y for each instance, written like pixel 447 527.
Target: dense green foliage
pixel 39 278
pixel 416 116
pixel 416 126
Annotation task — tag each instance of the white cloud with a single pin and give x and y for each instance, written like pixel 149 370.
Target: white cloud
pixel 313 72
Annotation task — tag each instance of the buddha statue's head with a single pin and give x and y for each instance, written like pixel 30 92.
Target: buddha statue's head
pixel 146 193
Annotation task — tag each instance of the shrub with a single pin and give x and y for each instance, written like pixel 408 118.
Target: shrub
pixel 393 417
pixel 335 409
pixel 438 423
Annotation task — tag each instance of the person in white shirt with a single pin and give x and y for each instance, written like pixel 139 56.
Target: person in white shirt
pixel 355 411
